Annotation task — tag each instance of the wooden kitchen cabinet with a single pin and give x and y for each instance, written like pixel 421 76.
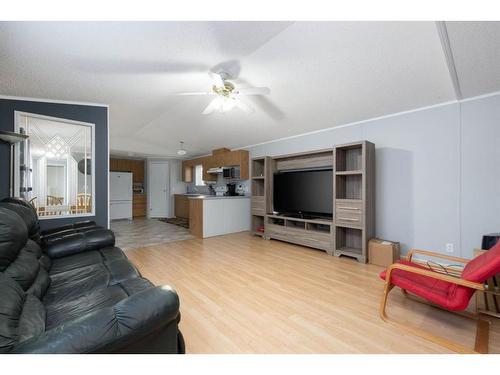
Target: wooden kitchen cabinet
pixel 119 165
pixel 137 169
pixel 207 163
pixel 219 158
pixel 181 209
pixel 187 171
pixel 139 205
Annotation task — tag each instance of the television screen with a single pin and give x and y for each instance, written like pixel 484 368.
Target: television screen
pixel 307 192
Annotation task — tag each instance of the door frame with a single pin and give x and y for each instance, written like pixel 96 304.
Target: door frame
pixel 148 187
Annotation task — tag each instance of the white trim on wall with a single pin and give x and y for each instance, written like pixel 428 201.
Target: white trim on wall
pixel 45 100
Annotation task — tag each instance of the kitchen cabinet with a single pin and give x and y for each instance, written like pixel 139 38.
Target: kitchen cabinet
pixel 137 167
pixel 187 171
pixel 139 205
pixel 128 165
pixel 207 163
pixel 181 206
pixel 219 158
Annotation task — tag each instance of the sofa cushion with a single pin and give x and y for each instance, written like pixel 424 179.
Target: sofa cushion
pixel 32 320
pixel 74 243
pixel 22 316
pixel 11 307
pixel 13 236
pixel 27 214
pixel 70 285
pixel 85 259
pixel 63 311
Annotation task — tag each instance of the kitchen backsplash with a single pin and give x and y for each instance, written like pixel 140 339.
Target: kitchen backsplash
pixel 192 188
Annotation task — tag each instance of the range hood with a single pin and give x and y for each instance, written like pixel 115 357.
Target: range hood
pixel 215 170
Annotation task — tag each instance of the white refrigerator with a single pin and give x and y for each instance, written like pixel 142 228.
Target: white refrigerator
pixel 120 199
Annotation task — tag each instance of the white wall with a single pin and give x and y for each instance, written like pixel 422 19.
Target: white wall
pixel 436 172
pixel 480 175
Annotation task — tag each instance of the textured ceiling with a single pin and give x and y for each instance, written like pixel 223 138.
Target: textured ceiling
pixel 321 74
pixel 476 51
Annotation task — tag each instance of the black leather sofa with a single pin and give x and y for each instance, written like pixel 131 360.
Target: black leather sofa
pixel 71 291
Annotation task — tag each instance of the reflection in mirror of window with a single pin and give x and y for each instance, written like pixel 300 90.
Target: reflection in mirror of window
pixel 55 165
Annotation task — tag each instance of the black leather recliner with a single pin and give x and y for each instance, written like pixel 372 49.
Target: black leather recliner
pixel 77 293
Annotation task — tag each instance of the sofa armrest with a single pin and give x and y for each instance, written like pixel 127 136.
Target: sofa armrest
pixel 61 228
pixel 110 329
pixel 85 223
pixel 75 243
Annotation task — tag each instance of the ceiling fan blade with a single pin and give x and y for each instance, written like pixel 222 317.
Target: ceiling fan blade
pixel 195 93
pixel 243 106
pixel 216 79
pixel 253 91
pixel 214 105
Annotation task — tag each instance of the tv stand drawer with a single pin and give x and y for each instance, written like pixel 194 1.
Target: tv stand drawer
pixel 348 205
pixel 348 218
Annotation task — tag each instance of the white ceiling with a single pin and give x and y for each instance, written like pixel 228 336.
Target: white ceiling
pixel 476 51
pixel 321 74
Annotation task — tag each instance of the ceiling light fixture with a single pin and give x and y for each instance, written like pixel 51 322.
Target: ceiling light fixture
pixel 57 148
pixel 181 151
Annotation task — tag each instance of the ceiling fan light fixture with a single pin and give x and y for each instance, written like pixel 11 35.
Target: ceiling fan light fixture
pixel 181 151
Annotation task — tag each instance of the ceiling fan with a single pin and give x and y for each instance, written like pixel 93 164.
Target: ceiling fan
pixel 227 95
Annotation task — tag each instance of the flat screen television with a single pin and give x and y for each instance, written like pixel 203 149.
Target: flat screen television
pixel 305 192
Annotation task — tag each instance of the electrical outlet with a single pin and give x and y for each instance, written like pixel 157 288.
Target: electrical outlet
pixel 449 248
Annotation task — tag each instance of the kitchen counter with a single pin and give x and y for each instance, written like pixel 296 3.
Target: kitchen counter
pixel 208 197
pixel 211 215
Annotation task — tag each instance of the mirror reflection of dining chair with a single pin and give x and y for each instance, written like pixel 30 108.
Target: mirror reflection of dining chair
pixel 84 202
pixel 33 202
pixel 39 210
pixel 54 201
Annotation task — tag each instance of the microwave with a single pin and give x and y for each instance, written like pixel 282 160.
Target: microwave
pixel 231 172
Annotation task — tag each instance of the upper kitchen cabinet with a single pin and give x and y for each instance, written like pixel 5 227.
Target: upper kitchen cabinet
pixel 242 159
pixel 138 170
pixel 128 165
pixel 120 165
pixel 222 157
pixel 187 171
pixel 209 162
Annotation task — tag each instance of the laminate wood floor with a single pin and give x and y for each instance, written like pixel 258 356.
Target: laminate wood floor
pixel 242 294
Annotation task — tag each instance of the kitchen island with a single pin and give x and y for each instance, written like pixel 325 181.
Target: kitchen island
pixel 211 215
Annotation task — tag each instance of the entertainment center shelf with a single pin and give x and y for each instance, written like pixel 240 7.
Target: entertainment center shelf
pixel 308 232
pixel 352 181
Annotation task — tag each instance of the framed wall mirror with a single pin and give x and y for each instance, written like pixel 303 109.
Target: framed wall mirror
pixel 54 166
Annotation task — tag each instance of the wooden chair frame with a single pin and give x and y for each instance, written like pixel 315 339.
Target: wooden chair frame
pixel 482 327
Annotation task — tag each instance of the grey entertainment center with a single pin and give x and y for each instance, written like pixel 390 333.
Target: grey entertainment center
pixel 353 222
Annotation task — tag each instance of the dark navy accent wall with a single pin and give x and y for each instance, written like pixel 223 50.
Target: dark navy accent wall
pixel 97 115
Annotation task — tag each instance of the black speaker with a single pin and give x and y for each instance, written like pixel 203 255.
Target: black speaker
pixel 489 240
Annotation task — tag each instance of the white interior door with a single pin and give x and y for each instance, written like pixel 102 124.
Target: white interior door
pixel 158 187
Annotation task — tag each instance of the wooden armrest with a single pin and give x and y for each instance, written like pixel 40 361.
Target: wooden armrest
pixel 434 275
pixel 436 255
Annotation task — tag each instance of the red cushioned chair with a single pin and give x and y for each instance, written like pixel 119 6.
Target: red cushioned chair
pixel 443 290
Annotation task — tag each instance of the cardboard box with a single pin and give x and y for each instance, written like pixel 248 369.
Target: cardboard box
pixel 382 253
